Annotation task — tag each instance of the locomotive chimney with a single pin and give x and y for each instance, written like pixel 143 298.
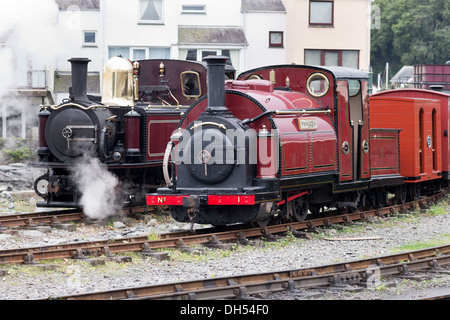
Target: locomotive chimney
pixel 216 84
pixel 79 79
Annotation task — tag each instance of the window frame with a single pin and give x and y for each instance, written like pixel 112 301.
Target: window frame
pixel 89 44
pixel 184 9
pixel 130 54
pixel 276 45
pixel 197 76
pixel 339 52
pixel 132 49
pixel 314 24
pixel 142 21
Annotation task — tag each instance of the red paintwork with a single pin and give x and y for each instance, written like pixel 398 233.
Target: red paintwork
pixel 297 81
pixel 213 200
pixel 384 152
pixel 298 195
pixel 444 99
pixel 419 161
pixel 302 151
pixel 42 123
pixel 365 132
pixel 159 129
pixel 164 200
pixel 348 125
pixel 150 76
pixel 345 133
pixel 132 132
pixel 426 75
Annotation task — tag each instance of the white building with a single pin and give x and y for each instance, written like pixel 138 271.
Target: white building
pixel 253 33
pixel 250 32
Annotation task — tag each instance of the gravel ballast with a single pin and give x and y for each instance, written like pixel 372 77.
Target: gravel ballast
pixel 66 277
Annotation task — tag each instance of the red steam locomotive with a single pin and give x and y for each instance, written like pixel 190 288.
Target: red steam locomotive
pixel 126 129
pixel 283 141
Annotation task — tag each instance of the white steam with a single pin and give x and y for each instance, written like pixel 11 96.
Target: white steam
pixel 98 186
pixel 30 35
pixel 33 38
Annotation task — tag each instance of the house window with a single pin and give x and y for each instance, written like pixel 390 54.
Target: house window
pixel 343 58
pixel 199 54
pixel 150 11
pixel 193 8
pixel 321 13
pixel 89 38
pixel 140 53
pixel 275 39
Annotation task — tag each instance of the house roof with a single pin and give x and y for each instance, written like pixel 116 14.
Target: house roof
pixel 82 4
pixel 262 6
pixel 211 35
pixel 404 75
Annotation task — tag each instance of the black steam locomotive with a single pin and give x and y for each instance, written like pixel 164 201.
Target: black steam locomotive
pixel 126 130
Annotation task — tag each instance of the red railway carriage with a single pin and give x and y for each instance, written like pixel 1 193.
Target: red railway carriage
pixel 444 120
pixel 279 141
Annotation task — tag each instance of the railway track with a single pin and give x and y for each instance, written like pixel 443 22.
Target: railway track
pixel 52 217
pixel 40 218
pixel 183 240
pixel 363 272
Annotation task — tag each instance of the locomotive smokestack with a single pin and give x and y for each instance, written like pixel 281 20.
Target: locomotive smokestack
pixel 216 83
pixel 79 79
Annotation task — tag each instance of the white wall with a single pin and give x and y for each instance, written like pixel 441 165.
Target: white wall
pixel 257 27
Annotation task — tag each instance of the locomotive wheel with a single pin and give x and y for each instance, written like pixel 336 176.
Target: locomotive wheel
pixel 41 186
pixel 378 199
pixel 298 209
pixel 382 198
pixel 400 194
pixel 413 191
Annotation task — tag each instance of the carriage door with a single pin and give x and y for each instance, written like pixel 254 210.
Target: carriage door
pixel 353 123
pixel 359 114
pixel 345 133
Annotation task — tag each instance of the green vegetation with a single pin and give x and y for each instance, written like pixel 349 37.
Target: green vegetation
pixel 16 150
pixel 439 240
pixel 410 32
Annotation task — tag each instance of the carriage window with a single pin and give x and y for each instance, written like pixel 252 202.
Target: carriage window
pixel 433 141
pixel 421 157
pixel 317 85
pixel 190 84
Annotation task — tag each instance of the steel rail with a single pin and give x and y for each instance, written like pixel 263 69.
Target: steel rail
pixel 233 286
pixel 32 215
pixel 18 221
pixel 53 216
pixel 136 244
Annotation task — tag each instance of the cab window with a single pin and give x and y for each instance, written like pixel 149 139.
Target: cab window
pixel 190 84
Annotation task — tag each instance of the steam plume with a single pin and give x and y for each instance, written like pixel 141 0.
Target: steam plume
pixel 98 186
